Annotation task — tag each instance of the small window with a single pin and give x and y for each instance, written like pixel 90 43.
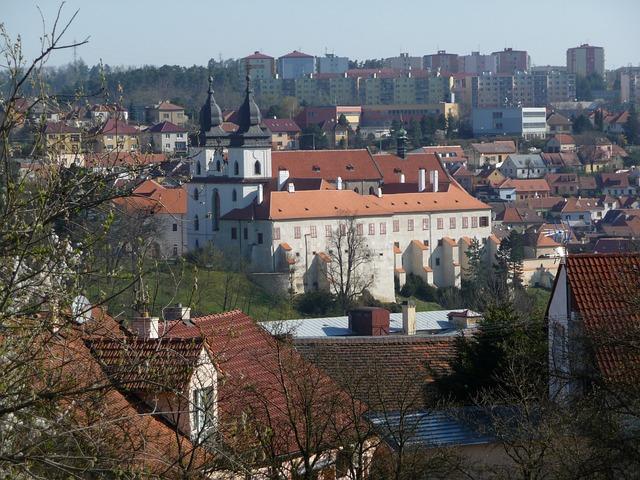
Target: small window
pixel 396 225
pixel 437 262
pixel 175 250
pixel 175 227
pixel 276 233
pixel 259 238
pixel 234 233
pixel 383 228
pixel 218 166
pixel 425 224
pixel 440 224
pixel 410 225
pixel 297 233
pixel 452 222
pixel 198 168
pixel 204 408
pixel 245 233
pixel 196 223
pixel 484 221
pixel 327 231
pixel 196 194
pixel 474 222
pixel 465 222
pixel 359 229
pixel 257 168
pixel 313 231
pixel 372 229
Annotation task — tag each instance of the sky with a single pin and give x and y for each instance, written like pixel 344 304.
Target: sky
pixel 188 32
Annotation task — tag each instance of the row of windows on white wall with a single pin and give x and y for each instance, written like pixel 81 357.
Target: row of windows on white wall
pixel 257 168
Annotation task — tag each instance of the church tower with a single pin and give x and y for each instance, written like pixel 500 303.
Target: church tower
pixel 212 139
pixel 250 146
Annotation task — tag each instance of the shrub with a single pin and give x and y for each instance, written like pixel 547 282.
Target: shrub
pixel 315 303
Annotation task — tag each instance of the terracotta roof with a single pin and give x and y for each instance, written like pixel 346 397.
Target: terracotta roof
pixel 557 119
pixel 419 244
pixel 605 291
pixel 562 159
pixel 296 54
pixel 530 185
pixel 166 127
pixel 462 172
pixel 259 377
pixel 114 126
pixel 614 245
pixel 514 215
pixel 575 205
pixel 543 203
pixel 564 139
pixel 391 166
pixel 448 153
pixel 168 106
pixel 59 127
pixel 389 371
pixel 229 127
pixel 155 198
pixel 497 147
pixel 327 164
pixel 586 182
pixel 138 365
pixel 258 56
pixel 554 234
pixel 281 125
pixel 561 178
pixel 619 180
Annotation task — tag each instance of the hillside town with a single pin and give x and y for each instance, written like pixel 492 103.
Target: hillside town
pixel 413 267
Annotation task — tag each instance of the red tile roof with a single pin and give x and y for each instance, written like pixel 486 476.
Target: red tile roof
pixel 606 290
pixel 152 197
pixel 113 126
pixel 114 159
pixel 258 56
pixel 281 125
pixel 60 127
pixel 565 139
pixel 576 205
pixel 297 54
pixel 497 147
pixel 168 106
pixel 327 164
pixel 392 166
pixel 528 185
pixel 166 127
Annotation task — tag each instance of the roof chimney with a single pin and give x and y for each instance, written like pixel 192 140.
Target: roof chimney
pixel 339 183
pixel 409 317
pixel 283 175
pixel 422 179
pixel 379 192
pixel 369 321
pixel 291 188
pixel 177 312
pixel 402 179
pixel 433 178
pixel 146 327
pixel 260 194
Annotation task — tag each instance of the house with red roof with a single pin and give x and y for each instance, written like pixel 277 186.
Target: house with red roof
pixel 616 184
pixel 165 209
pixel 560 143
pixel 114 135
pixel 165 111
pixel 63 143
pixel 258 66
pixel 167 137
pixel 285 133
pixel 593 326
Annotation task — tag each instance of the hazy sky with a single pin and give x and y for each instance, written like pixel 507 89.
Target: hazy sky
pixel 136 32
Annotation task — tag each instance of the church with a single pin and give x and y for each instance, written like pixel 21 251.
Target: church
pixel 278 211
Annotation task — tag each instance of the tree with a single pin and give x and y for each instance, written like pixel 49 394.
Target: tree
pixel 349 270
pixel 475 273
pixel 509 259
pixel 313 137
pixel 581 124
pixel 415 133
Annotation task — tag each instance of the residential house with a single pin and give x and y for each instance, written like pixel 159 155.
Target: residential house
pixel 551 240
pixel 592 325
pixel 114 135
pixel 336 133
pixel 63 143
pixel 464 177
pixel 616 184
pixel 530 188
pixel 524 166
pixel 600 154
pixel 622 223
pixel 99 114
pixel 543 206
pixel 166 207
pixel 317 115
pixel 560 143
pixel 587 185
pixel 615 123
pixel 557 123
pixel 562 162
pixel 615 245
pixel 258 65
pixel 491 153
pixel 166 111
pixel 563 183
pixel 285 133
pixel 519 218
pixel 580 212
pixel 166 137
pixel 452 156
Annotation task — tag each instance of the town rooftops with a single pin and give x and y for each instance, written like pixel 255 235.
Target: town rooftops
pixel 526 185
pixel 166 127
pixel 155 198
pixel 564 139
pixel 60 127
pixel 168 106
pixel 123 159
pixel 518 215
pixel 497 147
pixel 281 125
pixel 114 126
pixel 327 164
pixel 558 120
pixel 580 204
pixel 528 161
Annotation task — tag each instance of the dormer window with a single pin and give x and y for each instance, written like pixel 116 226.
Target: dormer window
pixel 257 168
pixel 350 167
pixel 316 168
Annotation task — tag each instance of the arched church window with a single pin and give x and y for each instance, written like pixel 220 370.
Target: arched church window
pixel 234 195
pixel 372 191
pixel 236 169
pixel 198 168
pixel 218 166
pixel 257 168
pixel 196 194
pixel 196 223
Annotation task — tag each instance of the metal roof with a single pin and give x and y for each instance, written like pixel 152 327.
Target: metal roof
pixel 436 321
pixel 435 428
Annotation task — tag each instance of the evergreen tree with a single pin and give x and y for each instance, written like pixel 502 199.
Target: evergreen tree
pixel 631 128
pixel 415 133
pixel 581 124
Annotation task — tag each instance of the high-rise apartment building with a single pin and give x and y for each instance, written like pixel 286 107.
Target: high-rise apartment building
pixel 585 60
pixel 511 61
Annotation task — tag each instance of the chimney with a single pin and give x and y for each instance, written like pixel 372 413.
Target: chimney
pixel 283 176
pixel 379 192
pixel 409 317
pixel 422 179
pixel 291 188
pixel 260 194
pixel 339 183
pixel 369 321
pixel 146 327
pixel 433 178
pixel 464 319
pixel 177 312
pixel 402 178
